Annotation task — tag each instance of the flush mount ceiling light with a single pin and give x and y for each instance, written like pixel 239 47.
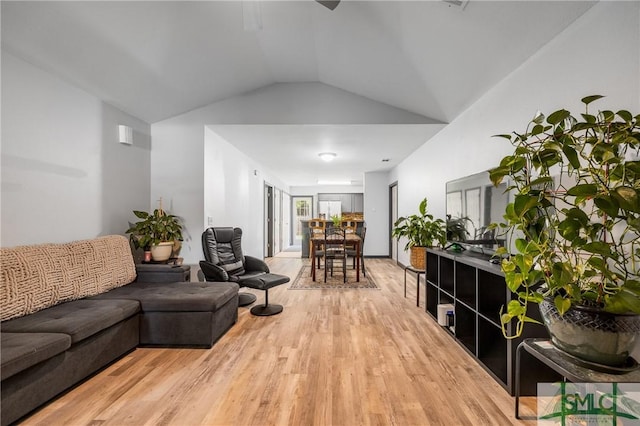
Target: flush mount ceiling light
pixel 327 156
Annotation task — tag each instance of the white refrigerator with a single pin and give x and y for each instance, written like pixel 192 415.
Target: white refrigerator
pixel 330 208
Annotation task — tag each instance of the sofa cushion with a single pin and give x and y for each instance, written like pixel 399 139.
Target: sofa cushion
pixel 22 350
pixel 79 319
pixel 176 297
pixel 39 276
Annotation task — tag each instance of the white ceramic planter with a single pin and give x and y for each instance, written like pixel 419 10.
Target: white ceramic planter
pixel 162 251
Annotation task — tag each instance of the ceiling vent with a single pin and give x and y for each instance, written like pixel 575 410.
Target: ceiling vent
pixel 457 3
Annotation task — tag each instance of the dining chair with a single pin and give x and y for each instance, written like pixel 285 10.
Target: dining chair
pixel 335 250
pixel 349 226
pixel 316 227
pixel 319 248
pixel 351 250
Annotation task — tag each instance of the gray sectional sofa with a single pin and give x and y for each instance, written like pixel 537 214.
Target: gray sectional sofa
pixel 69 310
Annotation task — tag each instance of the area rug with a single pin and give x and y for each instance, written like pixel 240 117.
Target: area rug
pixel 304 282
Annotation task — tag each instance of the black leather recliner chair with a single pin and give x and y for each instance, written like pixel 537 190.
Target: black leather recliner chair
pixel 225 262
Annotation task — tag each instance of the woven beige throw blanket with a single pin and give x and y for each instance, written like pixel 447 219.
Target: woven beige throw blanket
pixel 38 276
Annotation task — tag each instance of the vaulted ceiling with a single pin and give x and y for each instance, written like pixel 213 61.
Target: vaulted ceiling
pixel 156 60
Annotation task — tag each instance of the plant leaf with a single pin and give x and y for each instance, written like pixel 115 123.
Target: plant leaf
pixel 578 215
pixel 141 215
pixel 607 204
pixel 588 99
pixel 584 190
pixel 625 115
pixel 538 118
pixel 523 203
pixel 628 198
pixel 558 116
pixel 521 245
pixel 513 280
pixel 502 136
pixel 598 247
pixel 607 116
pixel 541 181
pixel 531 320
pixel 514 308
pixel 571 155
pixel 562 304
pixel 422 208
pixel 623 302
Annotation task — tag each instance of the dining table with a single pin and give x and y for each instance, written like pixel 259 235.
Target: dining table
pixel 351 239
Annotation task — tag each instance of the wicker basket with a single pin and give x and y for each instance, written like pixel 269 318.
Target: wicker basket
pixel 418 257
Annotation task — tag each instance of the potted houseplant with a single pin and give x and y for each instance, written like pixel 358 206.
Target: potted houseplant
pixel 157 232
pixel 456 228
pixel 575 225
pixel 421 230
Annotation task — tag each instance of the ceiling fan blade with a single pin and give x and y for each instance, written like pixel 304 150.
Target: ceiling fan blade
pixel 331 4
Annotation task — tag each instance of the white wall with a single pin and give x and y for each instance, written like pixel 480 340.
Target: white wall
pixel 598 54
pixel 64 175
pixel 376 213
pixel 178 155
pixel 234 192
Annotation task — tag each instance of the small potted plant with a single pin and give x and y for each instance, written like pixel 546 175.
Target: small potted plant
pixel 575 226
pixel 421 230
pixel 156 232
pixel 337 221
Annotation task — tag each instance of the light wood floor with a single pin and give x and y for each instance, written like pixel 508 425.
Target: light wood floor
pixel 332 357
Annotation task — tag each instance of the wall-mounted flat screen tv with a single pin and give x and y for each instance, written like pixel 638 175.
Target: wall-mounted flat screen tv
pixel 472 204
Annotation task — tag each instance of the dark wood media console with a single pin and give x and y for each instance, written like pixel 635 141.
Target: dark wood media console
pixel 477 290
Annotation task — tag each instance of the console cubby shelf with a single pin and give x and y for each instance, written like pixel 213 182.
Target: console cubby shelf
pixel 477 290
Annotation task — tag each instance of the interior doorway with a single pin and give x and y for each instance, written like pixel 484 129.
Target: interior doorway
pixel 393 216
pixel 285 219
pixel 277 221
pixel 268 220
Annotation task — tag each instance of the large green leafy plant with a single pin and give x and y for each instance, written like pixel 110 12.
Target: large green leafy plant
pixel 154 228
pixel 575 217
pixel 421 230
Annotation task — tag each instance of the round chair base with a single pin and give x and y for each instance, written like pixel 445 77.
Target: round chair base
pixel 245 299
pixel 266 310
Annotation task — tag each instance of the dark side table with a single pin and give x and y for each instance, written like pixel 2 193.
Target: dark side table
pixel 563 364
pixel 162 273
pixel 418 272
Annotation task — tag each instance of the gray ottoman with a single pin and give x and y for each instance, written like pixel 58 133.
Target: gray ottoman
pixel 265 282
pixel 194 314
